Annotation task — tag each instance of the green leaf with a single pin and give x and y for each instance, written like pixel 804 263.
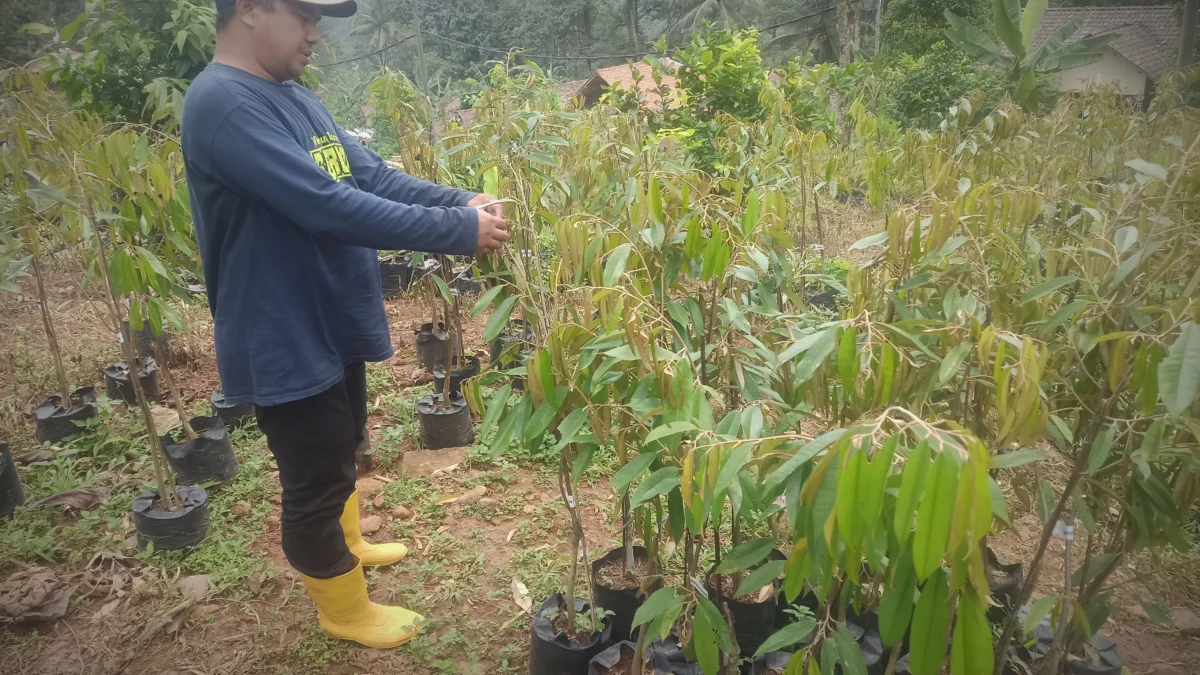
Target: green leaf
pixel 760 577
pixel 1179 372
pixel 746 555
pixel 1010 460
pixel 868 242
pixel 1006 20
pixel 655 605
pixel 486 300
pixel 583 459
pixel 1100 449
pixel 951 363
pixel 704 641
pixel 971 647
pixel 912 486
pixel 498 320
pixel 975 42
pixel 1056 40
pixel 791 634
pixel 1148 168
pixel 930 619
pixel 896 605
pixel 847 361
pixel 569 428
pixel 36 29
pixel 444 289
pixel 540 421
pixel 632 469
pixel 1030 18
pixel 666 430
pixel 1065 313
pixel 815 356
pixel 615 266
pixel 513 422
pixel 849 521
pixel 737 459
pixel 999 504
pixel 793 463
pixel 656 484
pixel 935 514
pixel 1037 611
pixel 1045 501
pixel 1047 287
pixel 495 407
pixel 848 652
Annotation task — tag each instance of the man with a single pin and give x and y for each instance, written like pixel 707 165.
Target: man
pixel 289 211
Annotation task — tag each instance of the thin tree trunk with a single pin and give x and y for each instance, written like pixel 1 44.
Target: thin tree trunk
pixel 631 12
pixel 164 480
pixel 175 395
pixel 1187 45
pixel 60 373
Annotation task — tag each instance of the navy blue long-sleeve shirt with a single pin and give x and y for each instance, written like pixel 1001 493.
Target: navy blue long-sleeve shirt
pixel 289 212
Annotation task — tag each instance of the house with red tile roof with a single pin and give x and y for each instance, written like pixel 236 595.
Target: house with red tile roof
pixel 624 77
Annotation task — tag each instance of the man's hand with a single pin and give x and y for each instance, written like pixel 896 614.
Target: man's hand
pixel 493 230
pixel 484 202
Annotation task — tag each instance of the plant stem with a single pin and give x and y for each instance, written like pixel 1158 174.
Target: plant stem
pixel 163 477
pixel 64 389
pixel 175 395
pixel 639 651
pixel 893 656
pixel 1077 473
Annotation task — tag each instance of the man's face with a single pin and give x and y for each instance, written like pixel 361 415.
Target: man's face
pixel 284 35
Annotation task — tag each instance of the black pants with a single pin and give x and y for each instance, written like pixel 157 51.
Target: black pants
pixel 313 441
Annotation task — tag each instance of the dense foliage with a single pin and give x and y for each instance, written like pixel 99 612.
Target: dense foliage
pixel 1033 286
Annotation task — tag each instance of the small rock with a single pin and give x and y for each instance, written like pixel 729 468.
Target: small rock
pixel 370 486
pixel 242 510
pixel 495 522
pixel 380 501
pixel 370 524
pixel 1137 612
pixel 289 575
pixel 271 522
pixel 402 513
pixel 470 496
pixel 530 497
pixel 1186 621
pixel 489 502
pixel 275 499
pixel 202 612
pixel 529 508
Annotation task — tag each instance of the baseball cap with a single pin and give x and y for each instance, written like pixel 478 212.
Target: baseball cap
pixel 334 8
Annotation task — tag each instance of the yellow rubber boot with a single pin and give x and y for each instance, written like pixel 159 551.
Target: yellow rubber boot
pixel 371 555
pixel 346 612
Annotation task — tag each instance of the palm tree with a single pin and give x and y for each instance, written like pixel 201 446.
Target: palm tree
pixel 726 13
pixel 381 24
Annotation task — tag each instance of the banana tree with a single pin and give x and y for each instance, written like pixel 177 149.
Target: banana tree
pixel 1020 57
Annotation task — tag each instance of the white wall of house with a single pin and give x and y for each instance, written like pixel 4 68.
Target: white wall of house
pixel 1112 69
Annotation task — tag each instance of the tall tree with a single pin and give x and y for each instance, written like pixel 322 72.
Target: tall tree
pixel 849 29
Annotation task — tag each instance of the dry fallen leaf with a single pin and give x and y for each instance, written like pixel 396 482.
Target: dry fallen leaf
pixel 34 456
pixel 82 499
pixel 510 535
pixel 106 610
pixel 165 419
pixel 195 587
pixel 469 496
pixel 521 596
pixel 444 528
pixel 254 582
